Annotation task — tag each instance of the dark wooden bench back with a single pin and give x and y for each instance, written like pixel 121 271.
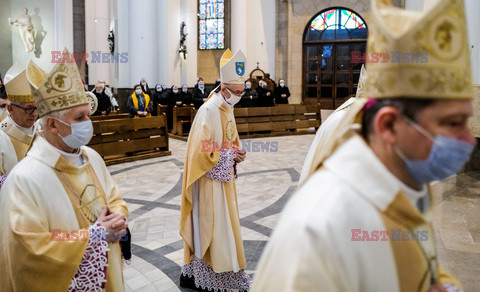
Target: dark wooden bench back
pixel 116 138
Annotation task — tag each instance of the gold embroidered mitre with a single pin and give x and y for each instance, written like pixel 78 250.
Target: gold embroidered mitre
pixel 16 85
pixel 232 67
pixel 60 89
pixel 419 55
pixel 361 83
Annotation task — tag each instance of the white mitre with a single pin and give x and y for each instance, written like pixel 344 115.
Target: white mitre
pixel 232 67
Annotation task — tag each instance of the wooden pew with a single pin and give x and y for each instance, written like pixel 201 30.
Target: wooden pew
pixel 125 139
pixel 277 121
pixel 109 117
pixel 182 120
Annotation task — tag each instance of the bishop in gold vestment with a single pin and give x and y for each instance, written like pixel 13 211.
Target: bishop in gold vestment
pixel 210 225
pixel 60 210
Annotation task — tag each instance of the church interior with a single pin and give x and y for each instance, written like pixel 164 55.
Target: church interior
pixel 304 60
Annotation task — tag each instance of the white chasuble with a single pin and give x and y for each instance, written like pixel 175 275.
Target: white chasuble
pixel 14 144
pixel 351 227
pixel 47 206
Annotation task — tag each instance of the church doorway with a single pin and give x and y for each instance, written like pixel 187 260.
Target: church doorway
pixel 334 43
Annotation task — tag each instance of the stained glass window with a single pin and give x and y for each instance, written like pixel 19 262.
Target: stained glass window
pixel 211 24
pixel 336 24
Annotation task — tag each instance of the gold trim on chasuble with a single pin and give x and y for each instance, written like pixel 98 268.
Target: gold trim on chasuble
pixel 415 255
pixel 21 142
pixel 87 201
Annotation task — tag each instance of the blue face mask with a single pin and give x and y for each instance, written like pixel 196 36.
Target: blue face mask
pixel 202 87
pixel 446 158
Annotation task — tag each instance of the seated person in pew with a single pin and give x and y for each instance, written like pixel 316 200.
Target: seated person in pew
pixel 104 103
pixel 250 98
pixel 139 103
pixel 199 94
pixel 265 95
pixel 186 96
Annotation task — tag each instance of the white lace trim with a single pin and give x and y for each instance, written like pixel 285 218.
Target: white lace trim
pixel 224 169
pixel 92 272
pixel 207 279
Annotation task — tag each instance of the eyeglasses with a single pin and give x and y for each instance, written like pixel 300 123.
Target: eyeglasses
pixel 237 92
pixel 28 110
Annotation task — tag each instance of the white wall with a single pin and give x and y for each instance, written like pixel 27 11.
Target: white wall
pixel 97 27
pixel 254 33
pixel 473 21
pixel 45 21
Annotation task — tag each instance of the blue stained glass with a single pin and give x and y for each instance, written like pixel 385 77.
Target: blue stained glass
pixel 211 24
pixel 202 26
pixel 221 26
pixel 211 41
pixel 202 13
pixel 221 39
pixel 346 23
pixel 220 10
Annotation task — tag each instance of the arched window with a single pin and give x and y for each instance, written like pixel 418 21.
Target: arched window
pixel 211 24
pixel 332 41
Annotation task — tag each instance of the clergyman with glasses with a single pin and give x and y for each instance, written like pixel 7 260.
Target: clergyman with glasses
pixel 17 128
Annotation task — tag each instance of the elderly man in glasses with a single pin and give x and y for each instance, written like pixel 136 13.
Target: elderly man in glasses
pixel 18 126
pixel 214 258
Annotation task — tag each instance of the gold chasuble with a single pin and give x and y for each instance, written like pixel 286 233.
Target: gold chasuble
pixel 214 127
pixel 14 144
pixel 135 103
pixel 47 205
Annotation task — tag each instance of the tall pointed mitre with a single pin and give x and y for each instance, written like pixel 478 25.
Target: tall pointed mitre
pixel 60 89
pixel 16 84
pixel 361 83
pixel 428 52
pixel 232 67
pixel 440 32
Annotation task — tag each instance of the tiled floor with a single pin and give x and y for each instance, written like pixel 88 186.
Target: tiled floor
pixel 152 189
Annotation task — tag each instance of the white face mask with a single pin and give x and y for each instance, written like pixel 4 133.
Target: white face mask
pixel 82 133
pixel 138 91
pixel 175 91
pixel 282 84
pixel 233 99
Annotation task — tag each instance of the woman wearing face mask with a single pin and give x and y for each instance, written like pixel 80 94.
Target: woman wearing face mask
pixel 186 96
pixel 265 95
pixel 157 96
pixel 175 96
pixel 200 94
pixel 104 104
pixel 281 93
pixel 139 103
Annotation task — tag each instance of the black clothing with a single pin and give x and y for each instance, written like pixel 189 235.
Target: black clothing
pixel 156 101
pixel 278 95
pixel 249 99
pixel 185 98
pixel 198 96
pixel 263 99
pixel 146 89
pixel 104 103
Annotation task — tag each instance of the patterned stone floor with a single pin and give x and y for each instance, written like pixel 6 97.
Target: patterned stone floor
pixel 267 178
